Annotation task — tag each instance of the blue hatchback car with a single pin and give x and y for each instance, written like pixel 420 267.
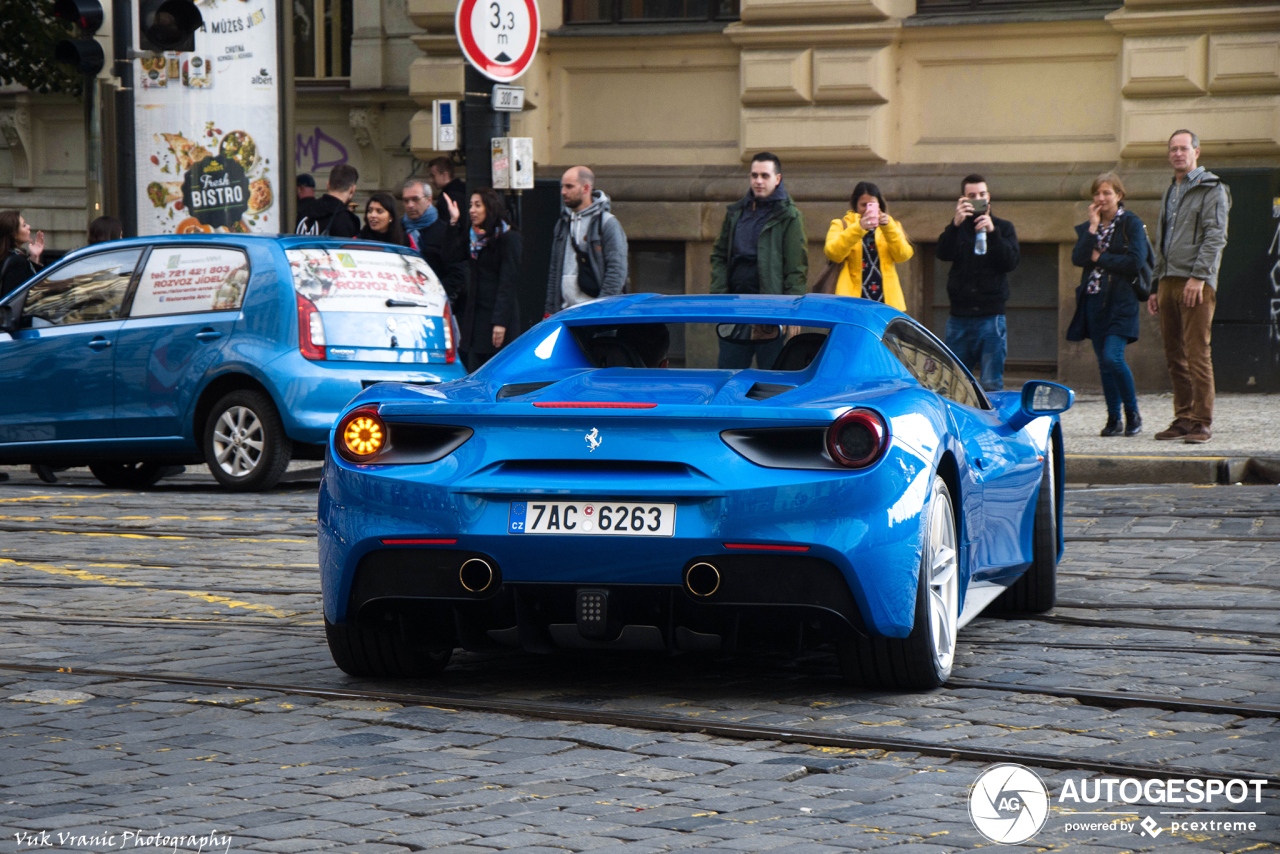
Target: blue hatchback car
pixel 238 351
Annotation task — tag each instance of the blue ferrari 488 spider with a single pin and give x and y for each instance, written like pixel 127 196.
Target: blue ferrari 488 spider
pixel 593 487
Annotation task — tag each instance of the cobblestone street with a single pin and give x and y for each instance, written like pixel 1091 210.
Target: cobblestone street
pixel 164 673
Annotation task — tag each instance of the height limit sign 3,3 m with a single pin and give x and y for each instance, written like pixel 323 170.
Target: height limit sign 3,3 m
pixel 498 37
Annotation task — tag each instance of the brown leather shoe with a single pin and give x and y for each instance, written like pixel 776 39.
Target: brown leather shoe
pixel 1177 430
pixel 1197 435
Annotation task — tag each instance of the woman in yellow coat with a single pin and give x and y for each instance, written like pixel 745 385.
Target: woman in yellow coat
pixel 870 243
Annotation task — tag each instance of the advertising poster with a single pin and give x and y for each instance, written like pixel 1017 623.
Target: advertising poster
pixel 191 278
pixel 207 126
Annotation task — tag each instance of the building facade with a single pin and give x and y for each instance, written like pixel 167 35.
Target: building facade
pixel 667 99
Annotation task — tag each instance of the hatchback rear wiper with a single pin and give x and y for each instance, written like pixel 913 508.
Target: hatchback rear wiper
pixel 392 303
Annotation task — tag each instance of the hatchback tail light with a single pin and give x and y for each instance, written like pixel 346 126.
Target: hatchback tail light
pixel 857 438
pixel 450 350
pixel 310 330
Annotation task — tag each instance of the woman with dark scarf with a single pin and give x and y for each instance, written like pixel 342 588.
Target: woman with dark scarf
pixel 380 221
pixel 1111 247
pixel 491 247
pixel 19 251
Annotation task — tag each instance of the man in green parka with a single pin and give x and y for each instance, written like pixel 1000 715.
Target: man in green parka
pixel 761 250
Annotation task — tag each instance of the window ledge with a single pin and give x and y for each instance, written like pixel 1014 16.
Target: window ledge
pixel 638 28
pixel 1048 13
pixel 322 82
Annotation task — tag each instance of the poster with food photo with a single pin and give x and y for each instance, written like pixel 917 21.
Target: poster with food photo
pixel 207 126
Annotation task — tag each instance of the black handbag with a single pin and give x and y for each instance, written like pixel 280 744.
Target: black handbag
pixel 1141 283
pixel 587 281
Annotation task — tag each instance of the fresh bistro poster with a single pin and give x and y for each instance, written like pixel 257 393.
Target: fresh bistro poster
pixel 207 126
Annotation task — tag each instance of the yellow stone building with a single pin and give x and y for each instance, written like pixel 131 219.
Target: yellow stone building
pixel 1040 97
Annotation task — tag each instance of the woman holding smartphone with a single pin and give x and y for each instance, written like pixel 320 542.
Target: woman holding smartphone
pixel 1111 247
pixel 869 242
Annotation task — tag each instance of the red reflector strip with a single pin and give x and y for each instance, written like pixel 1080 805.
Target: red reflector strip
pixel 419 542
pixel 765 547
pixel 589 405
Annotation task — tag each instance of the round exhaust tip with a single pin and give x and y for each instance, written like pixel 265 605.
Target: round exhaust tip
pixel 476 575
pixel 702 579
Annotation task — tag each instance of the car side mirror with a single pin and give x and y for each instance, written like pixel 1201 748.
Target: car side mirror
pixel 8 318
pixel 1041 398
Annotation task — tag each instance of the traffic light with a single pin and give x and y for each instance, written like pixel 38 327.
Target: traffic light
pixel 168 25
pixel 83 53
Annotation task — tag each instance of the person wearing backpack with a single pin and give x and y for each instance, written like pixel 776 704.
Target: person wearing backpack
pixel 1113 249
pixel 589 247
pixel 331 217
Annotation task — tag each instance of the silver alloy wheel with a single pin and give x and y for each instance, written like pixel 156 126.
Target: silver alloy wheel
pixel 944 582
pixel 238 440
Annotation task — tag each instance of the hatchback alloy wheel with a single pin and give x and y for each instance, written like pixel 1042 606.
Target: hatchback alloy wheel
pixel 238 440
pixel 244 443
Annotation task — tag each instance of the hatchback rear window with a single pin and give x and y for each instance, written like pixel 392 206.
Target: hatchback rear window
pixel 361 280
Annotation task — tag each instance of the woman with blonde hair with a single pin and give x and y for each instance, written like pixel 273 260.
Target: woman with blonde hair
pixel 869 242
pixel 1112 247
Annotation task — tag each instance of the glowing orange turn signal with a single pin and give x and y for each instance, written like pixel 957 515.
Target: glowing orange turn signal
pixel 361 435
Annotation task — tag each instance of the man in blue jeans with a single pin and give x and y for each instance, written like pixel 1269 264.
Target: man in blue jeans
pixel 983 251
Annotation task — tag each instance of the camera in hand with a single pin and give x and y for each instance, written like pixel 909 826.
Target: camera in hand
pixel 979 206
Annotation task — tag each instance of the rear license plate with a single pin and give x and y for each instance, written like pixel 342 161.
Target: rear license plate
pixel 619 518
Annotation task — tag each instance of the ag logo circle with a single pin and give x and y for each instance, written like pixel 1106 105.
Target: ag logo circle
pixel 1008 804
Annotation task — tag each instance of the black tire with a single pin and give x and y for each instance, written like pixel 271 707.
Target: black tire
pixel 910 662
pixel 1037 589
pixel 244 467
pixel 362 651
pixel 129 475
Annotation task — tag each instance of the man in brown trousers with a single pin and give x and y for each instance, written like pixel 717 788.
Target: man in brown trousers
pixel 1190 236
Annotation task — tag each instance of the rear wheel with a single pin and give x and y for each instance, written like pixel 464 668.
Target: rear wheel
pixel 129 475
pixel 924 658
pixel 366 651
pixel 245 444
pixel 1036 590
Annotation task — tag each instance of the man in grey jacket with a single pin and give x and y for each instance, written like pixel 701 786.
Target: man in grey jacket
pixel 1191 233
pixel 589 247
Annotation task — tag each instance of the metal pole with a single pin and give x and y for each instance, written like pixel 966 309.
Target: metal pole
pixel 126 169
pixel 480 124
pixel 93 147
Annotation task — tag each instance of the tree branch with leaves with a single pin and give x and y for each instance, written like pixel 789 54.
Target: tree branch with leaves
pixel 28 34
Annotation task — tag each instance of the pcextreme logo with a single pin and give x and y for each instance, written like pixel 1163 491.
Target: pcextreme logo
pixel 1008 804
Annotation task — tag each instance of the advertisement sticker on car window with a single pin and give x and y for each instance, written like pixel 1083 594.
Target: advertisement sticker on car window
pixel 191 278
pixel 365 280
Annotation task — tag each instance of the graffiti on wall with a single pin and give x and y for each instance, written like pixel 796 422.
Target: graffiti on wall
pixel 325 151
pixel 1274 249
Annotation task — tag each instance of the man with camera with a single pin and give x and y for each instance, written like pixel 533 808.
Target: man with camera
pixel 983 251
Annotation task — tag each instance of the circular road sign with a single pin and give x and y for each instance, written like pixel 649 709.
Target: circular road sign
pixel 498 37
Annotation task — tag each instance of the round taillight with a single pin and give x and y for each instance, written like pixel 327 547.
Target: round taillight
pixel 857 438
pixel 361 435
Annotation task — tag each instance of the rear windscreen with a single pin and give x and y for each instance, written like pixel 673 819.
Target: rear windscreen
pixel 361 280
pixel 700 345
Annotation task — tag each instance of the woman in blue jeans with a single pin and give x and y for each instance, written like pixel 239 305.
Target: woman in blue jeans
pixel 1111 247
